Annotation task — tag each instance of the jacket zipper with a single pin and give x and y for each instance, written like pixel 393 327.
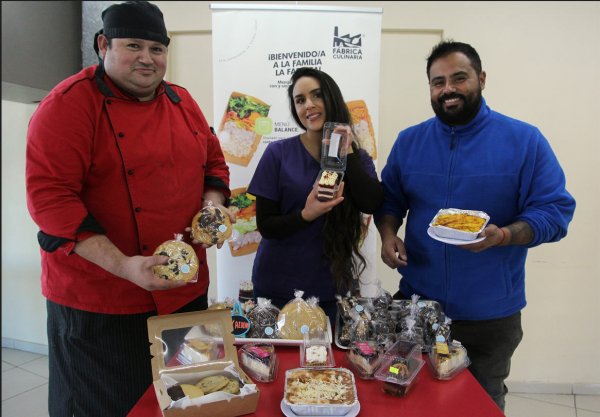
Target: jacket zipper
pixel 453 144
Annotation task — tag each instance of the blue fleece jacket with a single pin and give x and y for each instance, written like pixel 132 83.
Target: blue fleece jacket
pixel 497 164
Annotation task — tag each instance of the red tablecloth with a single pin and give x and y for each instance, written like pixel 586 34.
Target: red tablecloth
pixel 428 397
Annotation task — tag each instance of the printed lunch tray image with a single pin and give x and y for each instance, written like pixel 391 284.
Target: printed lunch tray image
pixel 245 237
pixel 363 126
pixel 242 127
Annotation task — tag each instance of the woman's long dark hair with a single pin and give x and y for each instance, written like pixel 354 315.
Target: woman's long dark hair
pixel 343 225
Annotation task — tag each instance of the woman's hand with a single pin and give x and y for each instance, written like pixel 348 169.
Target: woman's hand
pixel 314 208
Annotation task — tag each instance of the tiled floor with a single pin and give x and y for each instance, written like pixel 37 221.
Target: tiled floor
pixel 25 393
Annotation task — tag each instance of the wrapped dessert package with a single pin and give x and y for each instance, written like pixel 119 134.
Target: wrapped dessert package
pixel 198 349
pixel 447 363
pixel 259 361
pixel 182 264
pixel 334 156
pixel 263 320
pixel 315 351
pixel 246 291
pixel 411 333
pixel 364 358
pixel 210 383
pixel 459 224
pixel 399 367
pixel 299 317
pixel 334 147
pixel 211 225
pixel 362 319
pixel 328 183
pixel 427 315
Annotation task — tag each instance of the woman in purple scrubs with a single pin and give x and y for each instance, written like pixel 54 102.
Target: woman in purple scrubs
pixel 307 244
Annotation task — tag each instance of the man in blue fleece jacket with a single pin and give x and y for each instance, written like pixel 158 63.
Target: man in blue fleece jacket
pixel 471 157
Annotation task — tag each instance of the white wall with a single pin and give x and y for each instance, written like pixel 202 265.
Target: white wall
pixel 542 66
pixel 23 306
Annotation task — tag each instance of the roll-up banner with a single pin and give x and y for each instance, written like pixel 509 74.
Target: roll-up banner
pixel 256 49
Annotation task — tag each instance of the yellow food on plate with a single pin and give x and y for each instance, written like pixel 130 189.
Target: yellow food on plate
pixel 460 221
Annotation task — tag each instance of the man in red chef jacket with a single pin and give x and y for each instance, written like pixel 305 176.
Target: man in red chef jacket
pixel 118 161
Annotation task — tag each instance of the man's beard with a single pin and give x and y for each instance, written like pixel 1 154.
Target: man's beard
pixel 457 117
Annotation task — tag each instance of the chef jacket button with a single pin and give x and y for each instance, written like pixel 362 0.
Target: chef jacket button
pixel 109 101
pixel 138 209
pixel 121 134
pixel 130 172
pixel 195 132
pixel 144 247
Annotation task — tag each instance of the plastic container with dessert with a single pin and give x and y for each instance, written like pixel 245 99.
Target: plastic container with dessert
pixel 334 157
pixel 364 358
pixel 399 367
pixel 334 147
pixel 447 365
pixel 320 392
pixel 459 224
pixel 328 184
pixel 259 361
pixel 315 350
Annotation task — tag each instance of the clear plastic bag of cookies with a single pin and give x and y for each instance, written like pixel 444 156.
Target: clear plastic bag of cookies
pixel 182 264
pixel 211 225
pixel 298 317
pixel 263 320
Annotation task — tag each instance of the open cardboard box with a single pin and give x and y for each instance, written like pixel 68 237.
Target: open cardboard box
pixel 166 368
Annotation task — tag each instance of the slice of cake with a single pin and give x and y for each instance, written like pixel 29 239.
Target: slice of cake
pixel 315 355
pixel 364 359
pixel 328 184
pixel 447 365
pixel 259 361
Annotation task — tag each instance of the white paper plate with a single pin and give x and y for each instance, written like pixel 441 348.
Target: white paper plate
pixel 287 411
pixel 457 242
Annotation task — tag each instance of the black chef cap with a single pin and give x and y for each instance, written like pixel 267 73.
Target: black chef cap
pixel 133 19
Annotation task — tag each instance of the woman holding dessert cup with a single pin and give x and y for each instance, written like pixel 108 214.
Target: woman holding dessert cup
pixel 309 244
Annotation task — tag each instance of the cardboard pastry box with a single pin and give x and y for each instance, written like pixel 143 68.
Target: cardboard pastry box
pixel 188 347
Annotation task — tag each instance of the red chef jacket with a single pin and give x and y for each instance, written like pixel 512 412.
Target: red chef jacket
pixel 137 170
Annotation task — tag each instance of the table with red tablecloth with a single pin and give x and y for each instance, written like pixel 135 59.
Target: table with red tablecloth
pixel 427 397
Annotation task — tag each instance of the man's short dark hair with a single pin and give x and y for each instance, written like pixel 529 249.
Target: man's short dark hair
pixel 447 47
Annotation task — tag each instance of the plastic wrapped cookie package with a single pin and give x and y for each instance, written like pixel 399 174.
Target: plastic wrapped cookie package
pixel 459 224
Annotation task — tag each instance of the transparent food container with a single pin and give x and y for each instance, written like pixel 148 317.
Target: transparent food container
pixel 363 358
pixel 334 148
pixel 316 355
pixel 328 183
pixel 399 367
pixel 447 366
pixel 259 361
